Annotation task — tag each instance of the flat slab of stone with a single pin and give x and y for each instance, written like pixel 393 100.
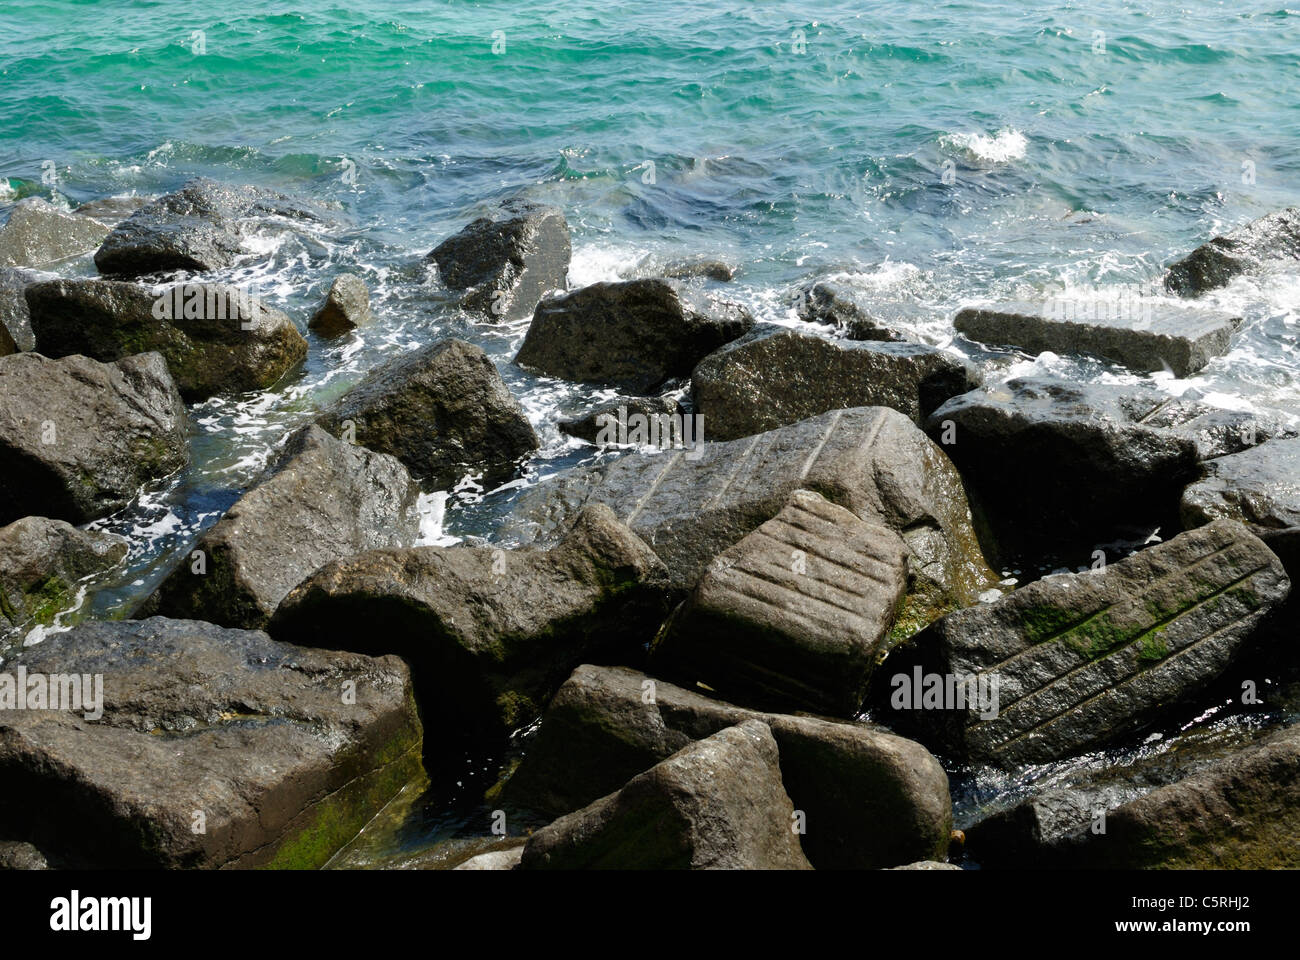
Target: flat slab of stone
pixel 216 748
pixel 1150 337
pixel 716 804
pixel 795 615
pixel 38 232
pixel 775 376
pixel 689 506
pixel 1275 237
pixel 322 500
pixel 1074 662
pixel 871 799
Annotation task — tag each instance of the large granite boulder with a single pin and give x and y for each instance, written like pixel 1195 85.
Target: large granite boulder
pixel 795 615
pixel 1074 662
pixel 216 338
pixel 322 500
pixel 38 232
pixel 208 747
pixel 633 334
pixel 776 376
pixel 716 804
pixel 491 634
pixel 202 226
pixel 443 411
pixel 506 262
pixel 1275 237
pixel 80 438
pixel 1149 336
pixel 871 799
pixel 42 561
pixel 689 506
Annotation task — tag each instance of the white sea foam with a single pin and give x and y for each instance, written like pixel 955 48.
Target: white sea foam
pixel 1005 145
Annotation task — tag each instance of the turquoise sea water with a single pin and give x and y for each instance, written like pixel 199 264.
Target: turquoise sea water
pixel 932 154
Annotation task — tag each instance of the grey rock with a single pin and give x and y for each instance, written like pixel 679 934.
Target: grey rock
pixel 871 799
pixel 443 411
pixel 17 333
pixel 693 268
pixel 16 855
pixel 1213 264
pixel 346 307
pixel 927 865
pixel 717 804
pixel 1160 336
pixel 604 418
pixel 39 232
pixel 506 262
pixel 80 438
pixel 490 633
pixel 254 736
pixel 795 615
pixel 111 211
pixel 827 301
pixel 1082 660
pixel 634 334
pixel 776 376
pixel 215 338
pixel 322 500
pixel 494 860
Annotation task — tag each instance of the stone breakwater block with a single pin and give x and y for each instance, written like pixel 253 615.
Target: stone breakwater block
pixel 794 615
pixel 689 506
pixel 717 804
pixel 1078 661
pixel 1182 339
pixel 38 232
pixel 281 754
pixel 1274 237
pixel 872 799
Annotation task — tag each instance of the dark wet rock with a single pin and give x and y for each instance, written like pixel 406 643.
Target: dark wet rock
pixel 689 506
pixel 443 411
pixel 634 334
pixel 602 423
pixel 346 307
pixel 795 615
pixel 927 865
pixel 716 804
pixel 507 859
pixel 215 337
pixel 1052 462
pixel 871 799
pixel 699 268
pixel 111 211
pixel 41 563
pixel 1074 662
pixel 14 315
pixel 79 438
pixel 39 232
pixel 1150 337
pixel 506 262
pixel 16 855
pixel 776 376
pixel 216 748
pixel 1213 264
pixel 323 500
pixel 828 301
pixel 202 226
pixel 490 633
pixel 1217 432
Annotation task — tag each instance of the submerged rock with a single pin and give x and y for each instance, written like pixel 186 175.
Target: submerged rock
pixel 215 748
pixel 699 268
pixel 871 799
pixel 202 226
pixel 1213 264
pixel 1075 662
pixel 506 262
pixel 80 438
pixel 775 376
pixel 634 334
pixel 827 301
pixel 716 804
pixel 1181 339
pixel 322 500
pixel 604 419
pixel 39 232
pixel 346 307
pixel 491 634
pixel 41 562
pixel 795 615
pixel 689 506
pixel 443 411
pixel 215 337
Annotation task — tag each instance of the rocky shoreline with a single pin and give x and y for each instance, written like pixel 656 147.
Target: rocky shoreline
pixel 761 631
